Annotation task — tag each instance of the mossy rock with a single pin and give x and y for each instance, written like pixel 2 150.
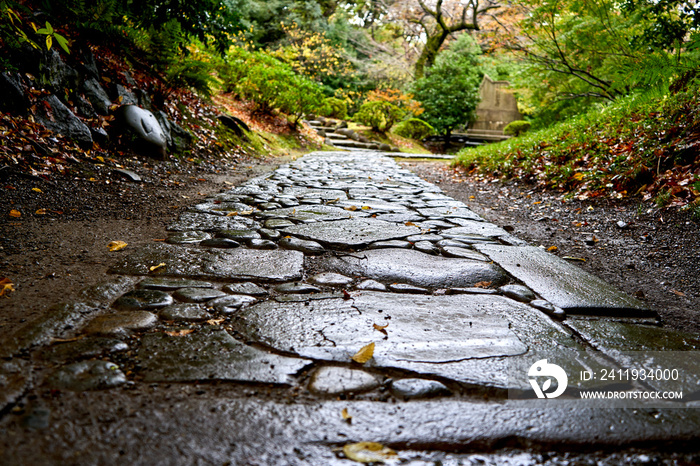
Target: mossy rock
pixel 516 128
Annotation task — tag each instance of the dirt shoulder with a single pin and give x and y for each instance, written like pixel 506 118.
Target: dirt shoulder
pixel 648 253
pixel 50 255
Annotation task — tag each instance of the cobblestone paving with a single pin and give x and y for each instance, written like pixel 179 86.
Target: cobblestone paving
pixel 285 279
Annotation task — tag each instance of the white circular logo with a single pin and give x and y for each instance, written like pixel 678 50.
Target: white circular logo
pixel 543 369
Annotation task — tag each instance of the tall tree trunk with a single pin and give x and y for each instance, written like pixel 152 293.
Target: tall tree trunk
pixel 429 53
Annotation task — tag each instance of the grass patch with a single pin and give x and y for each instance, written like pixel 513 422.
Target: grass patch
pixel 647 145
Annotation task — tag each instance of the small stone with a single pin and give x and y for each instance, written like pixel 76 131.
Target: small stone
pixel 287 202
pixel 185 313
pixel 451 243
pixel 121 324
pixel 87 375
pixel 261 244
pixel 169 284
pixel 307 247
pixel 88 347
pixel 128 174
pixel 223 243
pixel 390 244
pixel 408 389
pixel 269 206
pixel 248 288
pixel 187 237
pixel 426 237
pixel 548 308
pixel 406 288
pixel 303 298
pixel 278 223
pixel 197 295
pixel 371 285
pixel 272 235
pixel 426 247
pixel 330 279
pixel 232 303
pixel 297 288
pixel 471 290
pixel 518 293
pixel 238 235
pixel 464 253
pixel 622 225
pixel 339 380
pixel 143 299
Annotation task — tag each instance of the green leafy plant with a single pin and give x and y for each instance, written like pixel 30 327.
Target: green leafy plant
pixel 334 108
pixel 413 128
pixel 50 34
pixel 379 115
pixel 516 128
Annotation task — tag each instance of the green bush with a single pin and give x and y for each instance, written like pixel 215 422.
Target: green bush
pixel 334 108
pixel 379 115
pixel 414 128
pixel 516 128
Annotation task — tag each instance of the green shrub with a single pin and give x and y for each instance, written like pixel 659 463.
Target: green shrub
pixel 334 108
pixel 379 115
pixel 516 128
pixel 414 128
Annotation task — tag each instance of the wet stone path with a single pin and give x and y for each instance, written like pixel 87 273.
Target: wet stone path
pixel 287 278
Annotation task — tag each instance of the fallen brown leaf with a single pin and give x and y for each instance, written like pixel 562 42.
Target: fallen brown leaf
pixel 180 333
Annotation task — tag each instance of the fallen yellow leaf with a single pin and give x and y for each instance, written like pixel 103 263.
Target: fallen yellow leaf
pixel 232 214
pixel 116 246
pixel 345 415
pixel 569 258
pixel 482 284
pixel 215 321
pixel 578 176
pixel 100 158
pixel 37 190
pixel 365 354
pixel 15 213
pixel 6 286
pixel 156 267
pixel 410 224
pixel 368 452
pixel 679 293
pixel 352 208
pixel 552 248
pixel 41 212
pixel 180 333
pixel 380 328
pixel 366 207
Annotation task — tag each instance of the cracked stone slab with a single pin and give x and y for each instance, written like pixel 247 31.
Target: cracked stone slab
pixel 474 339
pixel 338 380
pixel 563 284
pixel 206 222
pixel 351 233
pixel 212 354
pixel 219 264
pixel 415 268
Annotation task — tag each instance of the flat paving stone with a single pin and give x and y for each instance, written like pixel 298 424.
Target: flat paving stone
pixel 272 235
pixel 188 312
pixel 221 208
pixel 278 223
pixel 261 244
pixel 205 222
pixel 486 229
pixel 463 253
pixel 212 354
pixel 187 237
pixel 238 235
pixel 426 247
pixel 450 212
pixel 121 324
pixel 313 213
pixel 248 288
pixel 297 288
pixel 330 279
pixel 232 303
pixel 223 243
pixel 351 233
pixel 563 284
pixel 143 299
pixel 410 389
pixel 394 243
pixel 88 347
pixel 415 268
pixel 197 295
pixel 171 284
pixel 296 244
pixel 213 264
pixel 371 285
pixel 87 375
pixel 341 380
pixel 404 288
pixel 400 217
pixel 518 293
